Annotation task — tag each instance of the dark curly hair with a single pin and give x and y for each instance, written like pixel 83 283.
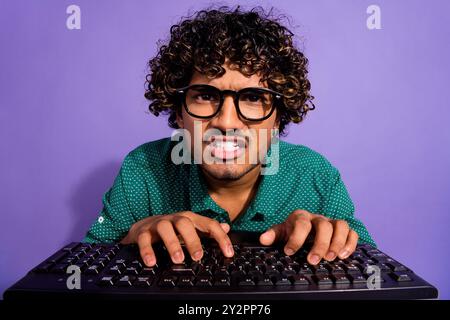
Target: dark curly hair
pixel 253 42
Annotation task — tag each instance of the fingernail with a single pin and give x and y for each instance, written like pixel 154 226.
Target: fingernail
pixel 344 254
pixel 149 260
pixel 230 250
pixel 314 259
pixel 178 256
pixel 330 255
pixel 197 255
pixel 289 251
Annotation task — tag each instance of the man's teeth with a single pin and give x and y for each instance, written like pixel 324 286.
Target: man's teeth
pixel 225 145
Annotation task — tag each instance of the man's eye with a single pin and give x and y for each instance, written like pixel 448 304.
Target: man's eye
pixel 252 97
pixel 205 97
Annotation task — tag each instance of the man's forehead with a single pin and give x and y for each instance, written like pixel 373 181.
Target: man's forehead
pixel 232 79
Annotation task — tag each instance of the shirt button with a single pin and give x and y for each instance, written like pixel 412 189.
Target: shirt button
pixel 101 219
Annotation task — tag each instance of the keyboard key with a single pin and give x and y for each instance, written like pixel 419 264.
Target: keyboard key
pixel 136 263
pixel 185 281
pixel 116 270
pixel 121 262
pixel 149 270
pixel 265 281
pixel 143 281
pixel 60 268
pixel 132 270
pixel 282 281
pixel 167 281
pixel 106 281
pixel 126 281
pixel 340 279
pixel 182 268
pixel 44 267
pixel 395 266
pixel 94 269
pixel 299 280
pixel 101 262
pixel 357 278
pixel 401 277
pixel 71 247
pixel 322 279
pixel 203 281
pixel 246 281
pixel 58 256
pixel 222 281
pixel 351 268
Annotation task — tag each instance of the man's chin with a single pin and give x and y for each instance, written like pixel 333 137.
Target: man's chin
pixel 230 172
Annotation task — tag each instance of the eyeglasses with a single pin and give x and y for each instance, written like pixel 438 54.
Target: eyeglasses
pixel 205 101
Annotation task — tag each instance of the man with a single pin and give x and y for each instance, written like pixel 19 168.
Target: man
pixel 236 78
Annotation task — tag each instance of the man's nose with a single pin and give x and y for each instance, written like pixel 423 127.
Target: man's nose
pixel 228 117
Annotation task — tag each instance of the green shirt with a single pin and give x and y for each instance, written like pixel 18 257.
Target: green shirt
pixel 149 183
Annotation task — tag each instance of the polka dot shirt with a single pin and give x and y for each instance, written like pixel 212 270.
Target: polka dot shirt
pixel 149 183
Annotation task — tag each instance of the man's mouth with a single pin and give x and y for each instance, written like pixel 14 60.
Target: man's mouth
pixel 226 147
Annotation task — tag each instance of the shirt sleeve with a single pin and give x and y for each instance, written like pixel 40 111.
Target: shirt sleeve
pixel 117 215
pixel 338 205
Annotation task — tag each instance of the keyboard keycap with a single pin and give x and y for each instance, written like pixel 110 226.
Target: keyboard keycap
pixel 94 269
pixel 185 281
pixel 167 281
pixel 60 268
pixel 357 278
pixel 115 270
pixel 247 281
pixel 322 279
pixel 265 281
pixel 71 247
pixel 149 271
pixel 401 277
pixel 183 268
pixel 222 281
pixel 340 279
pixel 106 281
pixel 58 256
pixel 132 271
pixel 44 267
pixel 143 281
pixel 126 281
pixel 203 281
pixel 299 280
pixel 282 281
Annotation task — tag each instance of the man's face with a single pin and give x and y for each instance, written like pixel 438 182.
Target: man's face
pixel 233 160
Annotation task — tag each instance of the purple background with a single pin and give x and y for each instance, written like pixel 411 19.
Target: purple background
pixel 72 106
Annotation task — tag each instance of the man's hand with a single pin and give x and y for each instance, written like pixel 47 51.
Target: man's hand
pixel 166 227
pixel 332 238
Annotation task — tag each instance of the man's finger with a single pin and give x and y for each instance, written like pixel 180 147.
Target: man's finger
pixel 324 232
pixel 144 241
pixel 186 229
pixel 216 231
pixel 273 234
pixel 340 234
pixel 164 229
pixel 350 245
pixel 299 232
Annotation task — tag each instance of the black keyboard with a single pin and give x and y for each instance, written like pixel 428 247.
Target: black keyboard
pixel 114 271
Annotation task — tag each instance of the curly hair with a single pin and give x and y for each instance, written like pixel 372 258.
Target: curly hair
pixel 252 41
